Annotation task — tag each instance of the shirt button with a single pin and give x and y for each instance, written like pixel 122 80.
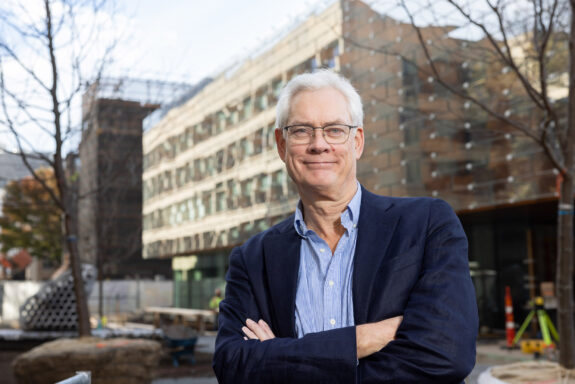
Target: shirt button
pixel 322 250
pixel 331 283
pixel 355 225
pixel 332 321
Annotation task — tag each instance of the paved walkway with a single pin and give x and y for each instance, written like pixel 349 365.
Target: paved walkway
pixel 488 354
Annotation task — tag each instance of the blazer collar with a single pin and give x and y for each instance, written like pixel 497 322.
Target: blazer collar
pixel 377 223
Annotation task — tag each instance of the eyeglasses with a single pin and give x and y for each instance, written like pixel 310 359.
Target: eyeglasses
pixel 332 133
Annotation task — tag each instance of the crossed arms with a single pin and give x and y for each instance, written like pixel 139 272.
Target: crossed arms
pixel 370 337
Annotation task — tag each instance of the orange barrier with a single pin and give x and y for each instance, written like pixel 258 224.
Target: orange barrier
pixel 509 321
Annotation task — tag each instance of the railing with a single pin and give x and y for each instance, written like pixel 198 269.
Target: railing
pixel 81 377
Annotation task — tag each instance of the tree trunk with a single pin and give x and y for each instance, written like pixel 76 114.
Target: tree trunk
pixel 79 290
pixel 565 224
pixel 565 274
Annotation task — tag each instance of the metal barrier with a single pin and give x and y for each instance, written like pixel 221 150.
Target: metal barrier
pixel 81 377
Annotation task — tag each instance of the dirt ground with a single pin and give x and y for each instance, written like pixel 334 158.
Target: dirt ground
pixel 6 358
pixel 202 367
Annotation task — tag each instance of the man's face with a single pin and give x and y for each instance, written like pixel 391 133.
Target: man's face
pixel 320 166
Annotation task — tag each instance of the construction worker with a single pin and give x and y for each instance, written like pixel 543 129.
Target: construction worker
pixel 215 305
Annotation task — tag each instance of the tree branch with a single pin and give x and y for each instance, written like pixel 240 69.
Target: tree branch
pixel 22 154
pixel 505 56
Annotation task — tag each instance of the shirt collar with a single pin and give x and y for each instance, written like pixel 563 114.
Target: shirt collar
pixel 349 217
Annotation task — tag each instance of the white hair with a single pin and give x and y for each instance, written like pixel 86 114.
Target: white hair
pixel 324 78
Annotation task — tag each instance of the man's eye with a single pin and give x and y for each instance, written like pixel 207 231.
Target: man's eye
pixel 334 131
pixel 299 131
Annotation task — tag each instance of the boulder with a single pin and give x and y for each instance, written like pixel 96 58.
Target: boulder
pixel 111 361
pixel 527 372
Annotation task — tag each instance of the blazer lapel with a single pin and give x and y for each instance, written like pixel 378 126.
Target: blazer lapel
pixel 282 256
pixel 377 223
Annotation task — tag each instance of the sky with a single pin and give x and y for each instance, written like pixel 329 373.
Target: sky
pixel 176 40
pixel 186 41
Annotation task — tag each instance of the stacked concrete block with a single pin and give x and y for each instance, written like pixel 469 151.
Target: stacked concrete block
pixel 53 308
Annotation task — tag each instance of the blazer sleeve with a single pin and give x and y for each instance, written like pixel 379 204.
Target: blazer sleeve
pixel 436 339
pixel 323 357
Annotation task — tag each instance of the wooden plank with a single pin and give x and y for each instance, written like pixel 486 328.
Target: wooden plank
pixel 198 315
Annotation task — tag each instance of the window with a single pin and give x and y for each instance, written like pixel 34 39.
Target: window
pixel 261 99
pixel 189 137
pixel 246 193
pixel 278 178
pixel 329 54
pixel 246 148
pixel 181 176
pixel 191 208
pixel 201 208
pixel 233 115
pixel 277 85
pixel 220 122
pixel 221 202
pixel 233 192
pixel 258 141
pixel 246 111
pixel 271 136
pixel 210 165
pixel 410 80
pixel 190 174
pixel 220 161
pixel 231 155
pixel 207 201
pixel 262 188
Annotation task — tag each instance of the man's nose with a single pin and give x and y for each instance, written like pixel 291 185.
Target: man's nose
pixel 317 141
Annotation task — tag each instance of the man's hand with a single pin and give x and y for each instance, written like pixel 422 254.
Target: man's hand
pixel 259 331
pixel 372 337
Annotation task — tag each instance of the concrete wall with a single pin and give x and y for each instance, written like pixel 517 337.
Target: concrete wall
pixel 12 295
pixel 120 296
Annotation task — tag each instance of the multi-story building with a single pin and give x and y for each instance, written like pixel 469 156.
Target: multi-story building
pixel 109 189
pixel 212 176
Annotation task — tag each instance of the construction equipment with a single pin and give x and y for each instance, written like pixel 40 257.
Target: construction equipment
pixel 545 325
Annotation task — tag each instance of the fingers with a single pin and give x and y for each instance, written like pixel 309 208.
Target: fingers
pixel 266 328
pixel 259 331
pixel 249 334
pixel 389 327
pixel 394 324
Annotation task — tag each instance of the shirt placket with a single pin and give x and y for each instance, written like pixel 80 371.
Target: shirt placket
pixel 332 287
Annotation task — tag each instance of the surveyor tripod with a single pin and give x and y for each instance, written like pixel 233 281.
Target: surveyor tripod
pixel 545 324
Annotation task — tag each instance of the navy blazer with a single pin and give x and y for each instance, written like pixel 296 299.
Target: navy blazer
pixel 410 260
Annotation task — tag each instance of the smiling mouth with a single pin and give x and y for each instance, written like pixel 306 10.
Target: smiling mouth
pixel 319 163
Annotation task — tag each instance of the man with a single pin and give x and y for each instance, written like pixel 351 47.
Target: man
pixel 354 287
pixel 215 305
pixel 215 300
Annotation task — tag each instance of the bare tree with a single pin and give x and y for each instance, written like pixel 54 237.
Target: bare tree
pixel 526 51
pixel 43 55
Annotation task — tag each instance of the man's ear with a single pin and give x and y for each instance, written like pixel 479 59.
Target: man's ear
pixel 280 143
pixel 358 142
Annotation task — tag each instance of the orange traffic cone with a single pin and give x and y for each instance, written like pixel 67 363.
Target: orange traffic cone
pixel 509 321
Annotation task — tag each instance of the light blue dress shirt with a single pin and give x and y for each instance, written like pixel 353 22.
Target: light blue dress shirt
pixel 324 290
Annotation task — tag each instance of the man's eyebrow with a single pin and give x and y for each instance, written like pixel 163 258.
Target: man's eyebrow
pixel 331 122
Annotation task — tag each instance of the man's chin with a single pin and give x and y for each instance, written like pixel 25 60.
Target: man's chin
pixel 320 185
